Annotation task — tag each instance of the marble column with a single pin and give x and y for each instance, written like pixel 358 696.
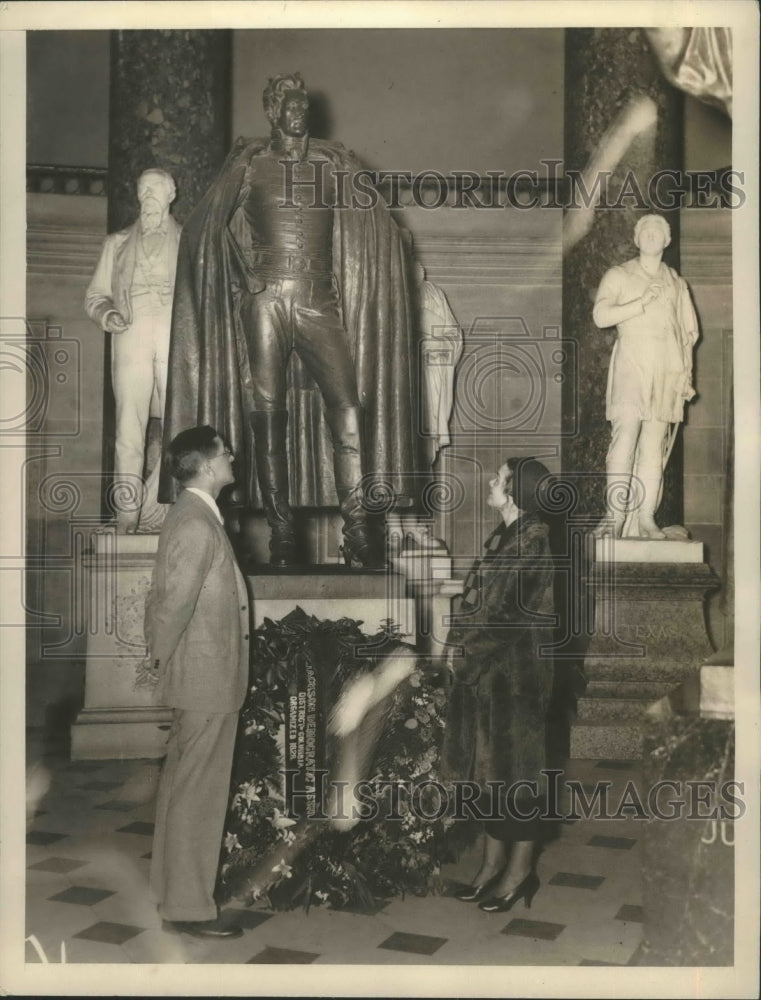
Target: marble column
pixel 605 68
pixel 170 108
pixel 688 861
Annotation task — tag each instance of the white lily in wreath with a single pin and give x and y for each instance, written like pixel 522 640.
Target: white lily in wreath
pixel 232 843
pixel 248 792
pixel 280 821
pixel 283 869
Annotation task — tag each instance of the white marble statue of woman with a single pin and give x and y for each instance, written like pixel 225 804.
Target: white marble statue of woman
pixel 442 348
pixel 649 380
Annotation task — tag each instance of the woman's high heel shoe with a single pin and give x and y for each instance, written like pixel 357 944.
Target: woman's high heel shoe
pixel 525 891
pixel 472 893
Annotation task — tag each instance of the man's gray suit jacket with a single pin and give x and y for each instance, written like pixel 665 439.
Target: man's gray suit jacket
pixel 197 613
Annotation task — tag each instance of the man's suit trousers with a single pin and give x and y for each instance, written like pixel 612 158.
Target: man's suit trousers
pixel 190 813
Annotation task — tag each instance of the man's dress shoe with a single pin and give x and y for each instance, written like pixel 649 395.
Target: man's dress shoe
pixel 204 928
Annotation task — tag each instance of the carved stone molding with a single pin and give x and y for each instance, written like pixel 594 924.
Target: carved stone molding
pixel 49 179
pixel 57 250
pixel 64 234
pixel 706 246
pixel 477 260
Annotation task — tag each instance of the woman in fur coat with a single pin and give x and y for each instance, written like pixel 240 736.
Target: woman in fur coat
pixel 502 680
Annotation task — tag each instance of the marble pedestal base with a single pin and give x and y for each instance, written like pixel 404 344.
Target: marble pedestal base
pixel 122 720
pixel 429 581
pixel 332 592
pixel 649 635
pixel 119 719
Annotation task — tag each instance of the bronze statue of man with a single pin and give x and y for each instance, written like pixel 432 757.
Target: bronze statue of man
pixel 270 267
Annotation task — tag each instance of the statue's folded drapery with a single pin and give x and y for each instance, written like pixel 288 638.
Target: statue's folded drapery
pixel 209 372
pixel 650 371
pixel 697 61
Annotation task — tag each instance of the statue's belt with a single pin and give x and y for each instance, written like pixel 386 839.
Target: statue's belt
pixel 282 264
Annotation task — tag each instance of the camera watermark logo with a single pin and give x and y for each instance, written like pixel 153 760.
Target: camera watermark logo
pixel 509 382
pixel 41 369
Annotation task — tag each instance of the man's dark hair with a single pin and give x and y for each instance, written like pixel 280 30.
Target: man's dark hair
pixel 189 450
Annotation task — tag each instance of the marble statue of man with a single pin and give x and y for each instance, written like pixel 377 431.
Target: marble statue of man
pixel 130 296
pixel 650 377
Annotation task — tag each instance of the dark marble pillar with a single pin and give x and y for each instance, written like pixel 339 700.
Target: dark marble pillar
pixel 605 68
pixel 688 861
pixel 170 108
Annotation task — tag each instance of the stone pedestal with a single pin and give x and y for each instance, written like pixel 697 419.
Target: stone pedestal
pixel 119 719
pixel 374 598
pixel 428 575
pixel 649 635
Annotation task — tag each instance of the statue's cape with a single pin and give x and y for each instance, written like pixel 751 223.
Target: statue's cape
pixel 209 378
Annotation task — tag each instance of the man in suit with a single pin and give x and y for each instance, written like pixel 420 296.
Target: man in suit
pixel 196 627
pixel 130 296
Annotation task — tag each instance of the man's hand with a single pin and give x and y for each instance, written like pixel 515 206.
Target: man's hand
pixel 652 291
pixel 114 322
pixel 147 673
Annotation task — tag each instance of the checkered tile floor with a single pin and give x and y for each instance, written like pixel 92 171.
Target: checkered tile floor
pixel 88 851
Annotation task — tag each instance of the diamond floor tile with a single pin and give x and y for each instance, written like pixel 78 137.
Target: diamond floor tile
pixel 545 930
pixel 109 933
pixel 630 912
pixel 416 944
pixel 82 895
pixel 58 865
pixel 139 827
pixel 282 956
pixel 41 838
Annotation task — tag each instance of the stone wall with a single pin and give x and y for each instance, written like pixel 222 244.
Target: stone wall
pixel 63 468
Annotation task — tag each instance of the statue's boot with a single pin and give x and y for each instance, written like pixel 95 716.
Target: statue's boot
pixel 346 429
pixel 652 480
pixel 270 449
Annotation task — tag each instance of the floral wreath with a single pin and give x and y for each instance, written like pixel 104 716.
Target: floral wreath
pixel 267 852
